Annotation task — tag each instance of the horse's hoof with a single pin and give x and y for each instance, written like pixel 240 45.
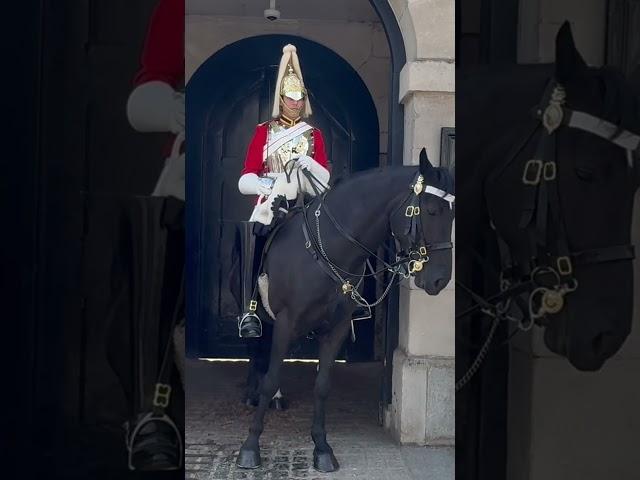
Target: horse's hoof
pixel 248 459
pixel 279 403
pixel 325 462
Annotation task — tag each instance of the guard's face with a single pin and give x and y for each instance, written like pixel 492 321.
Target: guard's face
pixel 294 106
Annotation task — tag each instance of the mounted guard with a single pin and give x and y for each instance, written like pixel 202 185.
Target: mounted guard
pixel 279 147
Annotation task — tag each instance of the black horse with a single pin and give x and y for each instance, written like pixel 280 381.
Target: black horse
pixel 555 185
pixel 313 276
pixel 499 124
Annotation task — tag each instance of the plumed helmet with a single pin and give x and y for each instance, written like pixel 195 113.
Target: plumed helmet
pixel 290 82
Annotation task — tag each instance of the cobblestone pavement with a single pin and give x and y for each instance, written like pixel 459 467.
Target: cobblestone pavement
pixel 217 424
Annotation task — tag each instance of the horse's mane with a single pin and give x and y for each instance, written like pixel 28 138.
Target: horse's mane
pixel 621 103
pixel 439 177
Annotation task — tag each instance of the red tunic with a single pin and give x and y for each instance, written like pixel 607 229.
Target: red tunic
pixel 254 163
pixel 163 54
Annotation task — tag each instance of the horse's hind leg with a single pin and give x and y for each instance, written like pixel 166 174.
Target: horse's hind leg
pixel 323 457
pixel 249 456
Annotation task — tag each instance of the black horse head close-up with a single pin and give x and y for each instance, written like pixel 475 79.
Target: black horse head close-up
pixel 436 220
pixel 561 202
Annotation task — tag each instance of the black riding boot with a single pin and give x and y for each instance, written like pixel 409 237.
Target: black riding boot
pixel 249 324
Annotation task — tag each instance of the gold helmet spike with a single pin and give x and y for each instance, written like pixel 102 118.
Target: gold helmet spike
pixel 290 82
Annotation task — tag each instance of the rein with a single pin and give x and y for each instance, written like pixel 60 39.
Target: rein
pixel 411 262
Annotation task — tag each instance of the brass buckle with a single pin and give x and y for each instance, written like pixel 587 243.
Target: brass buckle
pixel 412 211
pixel 550 170
pixel 564 265
pixel 532 172
pixel 419 186
pixel 253 305
pixel 423 251
pixel 161 395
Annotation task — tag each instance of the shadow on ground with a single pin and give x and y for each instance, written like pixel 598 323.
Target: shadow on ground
pixel 217 423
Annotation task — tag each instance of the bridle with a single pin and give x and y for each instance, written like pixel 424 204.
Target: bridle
pixel 406 225
pixel 406 228
pixel 549 275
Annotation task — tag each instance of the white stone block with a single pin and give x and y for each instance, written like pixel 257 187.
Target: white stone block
pixel 425 115
pixel 441 414
pixel 426 76
pixel 422 410
pixel 409 396
pixel 427 323
pixel 565 424
pixel 434 26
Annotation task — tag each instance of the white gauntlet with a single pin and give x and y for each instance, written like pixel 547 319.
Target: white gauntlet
pixel 318 171
pixel 250 184
pixel 156 107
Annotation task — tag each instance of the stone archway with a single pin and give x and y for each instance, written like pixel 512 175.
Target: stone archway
pixel 221 121
pixel 419 37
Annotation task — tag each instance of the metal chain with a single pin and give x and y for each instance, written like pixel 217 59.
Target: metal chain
pixel 355 295
pixel 500 313
pixel 360 300
pixel 481 354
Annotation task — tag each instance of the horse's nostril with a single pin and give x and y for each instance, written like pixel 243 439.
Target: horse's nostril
pixel 601 343
pixel 440 283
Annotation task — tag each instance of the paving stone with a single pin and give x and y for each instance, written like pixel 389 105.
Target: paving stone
pixel 217 424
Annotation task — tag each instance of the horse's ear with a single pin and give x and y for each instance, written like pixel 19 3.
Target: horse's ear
pixel 569 62
pixel 425 164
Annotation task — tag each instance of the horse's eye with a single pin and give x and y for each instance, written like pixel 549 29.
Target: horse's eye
pixel 433 210
pixel 585 174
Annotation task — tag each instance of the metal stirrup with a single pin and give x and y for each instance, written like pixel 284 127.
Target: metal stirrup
pixel 245 317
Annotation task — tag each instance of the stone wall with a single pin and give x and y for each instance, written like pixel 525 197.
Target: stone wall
pixel 422 410
pixel 362 44
pixel 541 19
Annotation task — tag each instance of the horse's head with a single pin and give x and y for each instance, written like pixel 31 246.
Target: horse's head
pixel 585 217
pixel 436 219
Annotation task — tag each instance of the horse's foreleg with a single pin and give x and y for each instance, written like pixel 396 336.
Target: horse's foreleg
pixel 259 351
pixel 249 456
pixel 323 457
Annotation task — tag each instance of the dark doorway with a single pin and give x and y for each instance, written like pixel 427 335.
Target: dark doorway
pixel 226 98
pixel 74 144
pixel 486 40
pixel 486 32
pixel 623 37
